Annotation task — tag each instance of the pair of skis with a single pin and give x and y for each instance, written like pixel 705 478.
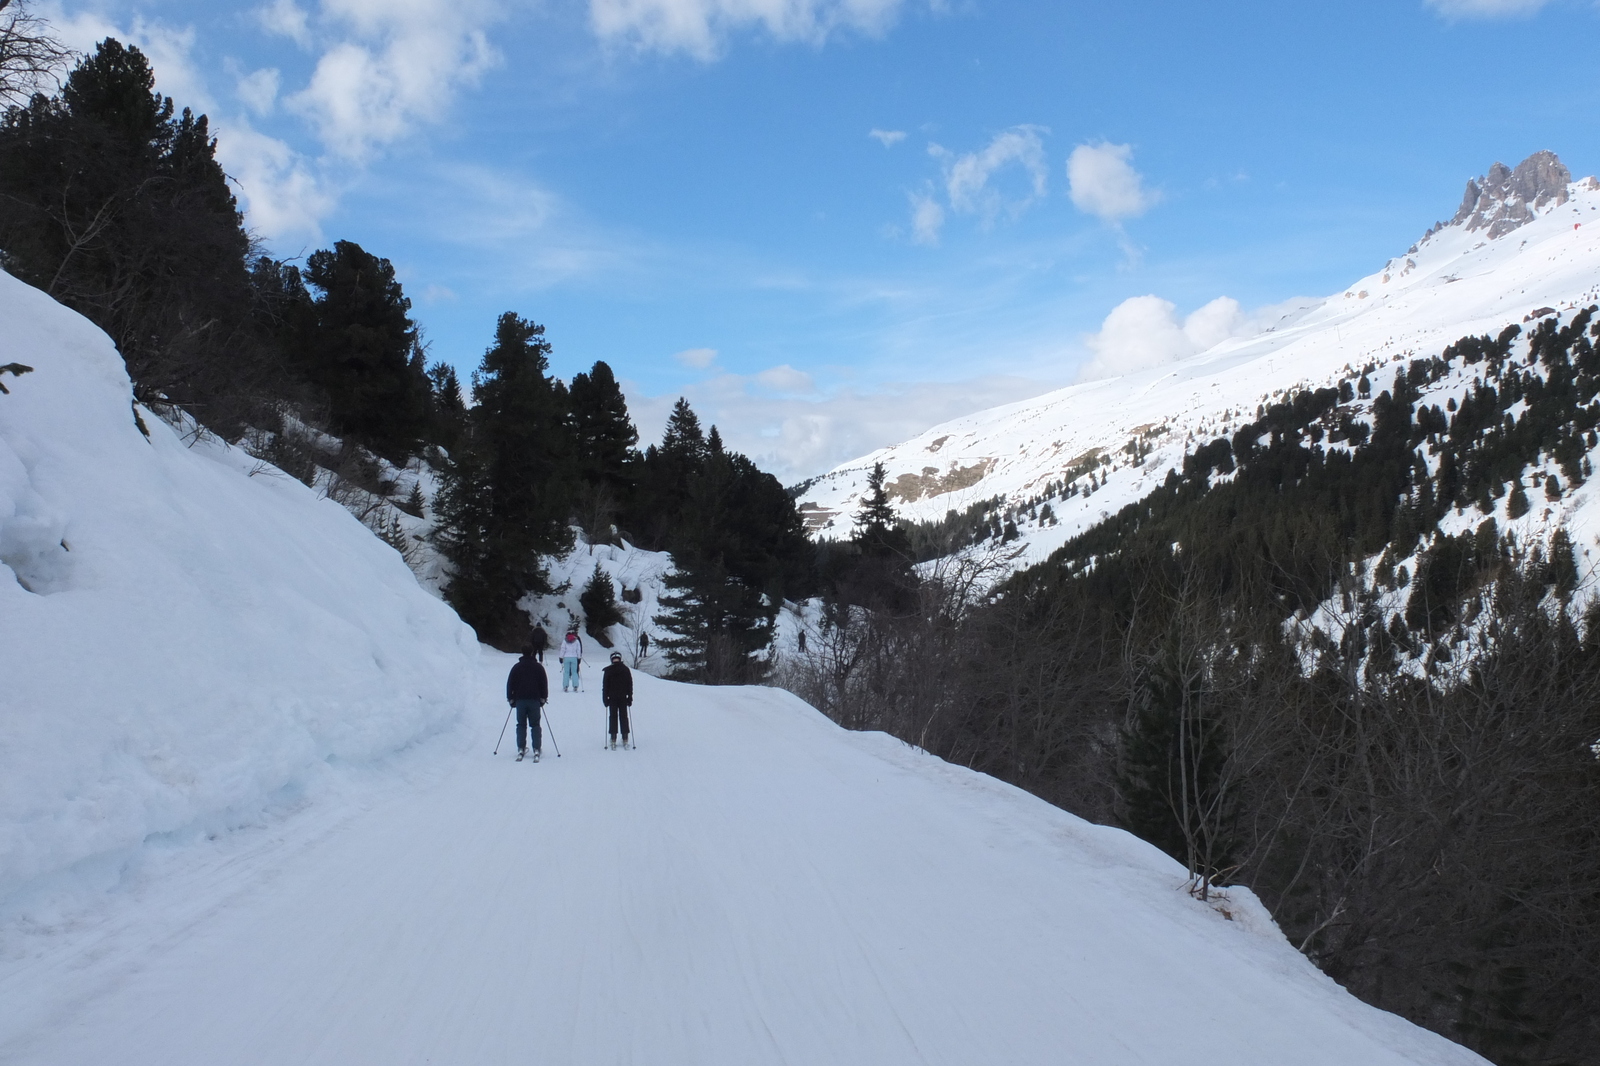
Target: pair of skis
pixel 522 755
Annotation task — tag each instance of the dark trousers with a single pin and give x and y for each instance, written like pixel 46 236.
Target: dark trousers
pixel 528 722
pixel 619 711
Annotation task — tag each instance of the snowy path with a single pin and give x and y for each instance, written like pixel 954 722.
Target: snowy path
pixel 752 885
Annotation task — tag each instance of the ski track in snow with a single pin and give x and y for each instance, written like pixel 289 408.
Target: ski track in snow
pixel 751 885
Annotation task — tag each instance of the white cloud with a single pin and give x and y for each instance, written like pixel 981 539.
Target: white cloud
pixel 795 435
pixel 259 89
pixel 698 358
pixel 282 195
pixel 927 218
pixel 1485 9
pixel 1143 332
pixel 699 27
pixel 967 176
pixel 279 189
pixel 286 19
pixel 787 380
pixel 397 65
pixel 887 138
pixel 1103 182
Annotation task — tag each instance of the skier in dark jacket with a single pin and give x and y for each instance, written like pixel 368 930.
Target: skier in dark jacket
pixel 527 689
pixel 616 690
pixel 539 642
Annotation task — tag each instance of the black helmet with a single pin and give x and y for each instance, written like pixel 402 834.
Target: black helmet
pixel 616 656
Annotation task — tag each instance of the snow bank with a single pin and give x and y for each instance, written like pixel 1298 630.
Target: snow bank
pixel 186 634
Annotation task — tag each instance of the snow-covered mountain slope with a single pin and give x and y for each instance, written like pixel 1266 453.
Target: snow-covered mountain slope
pixel 751 885
pixel 186 635
pixel 1524 243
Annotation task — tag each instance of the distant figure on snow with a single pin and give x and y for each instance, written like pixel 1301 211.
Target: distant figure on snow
pixel 571 654
pixel 644 645
pixel 616 689
pixel 526 690
pixel 539 642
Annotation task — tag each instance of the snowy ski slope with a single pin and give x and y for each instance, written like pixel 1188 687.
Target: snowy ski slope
pixel 1453 283
pixel 751 885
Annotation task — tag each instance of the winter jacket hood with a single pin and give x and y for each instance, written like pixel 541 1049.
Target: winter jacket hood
pixel 527 680
pixel 616 685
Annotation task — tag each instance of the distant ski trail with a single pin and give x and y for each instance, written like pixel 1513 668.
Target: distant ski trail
pixel 756 887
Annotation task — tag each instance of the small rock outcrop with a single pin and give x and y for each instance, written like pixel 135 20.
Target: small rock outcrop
pixel 1504 199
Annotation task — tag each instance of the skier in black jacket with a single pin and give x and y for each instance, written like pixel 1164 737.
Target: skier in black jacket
pixel 527 688
pixel 616 690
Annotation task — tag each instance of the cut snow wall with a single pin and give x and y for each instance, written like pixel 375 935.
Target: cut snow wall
pixel 185 633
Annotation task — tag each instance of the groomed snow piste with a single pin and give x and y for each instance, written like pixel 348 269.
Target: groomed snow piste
pixel 249 814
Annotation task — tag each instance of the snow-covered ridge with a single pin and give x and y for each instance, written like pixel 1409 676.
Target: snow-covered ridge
pixel 186 634
pixel 1129 431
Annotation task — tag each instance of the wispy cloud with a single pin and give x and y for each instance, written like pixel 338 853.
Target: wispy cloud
pixel 698 358
pixel 794 429
pixel 970 186
pixel 1485 9
pixel 699 28
pixel 887 138
pixel 968 176
pixel 927 219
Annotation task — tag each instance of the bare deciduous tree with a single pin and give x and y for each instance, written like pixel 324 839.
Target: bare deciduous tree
pixel 31 58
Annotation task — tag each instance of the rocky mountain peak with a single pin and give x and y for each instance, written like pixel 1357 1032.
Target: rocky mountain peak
pixel 1504 199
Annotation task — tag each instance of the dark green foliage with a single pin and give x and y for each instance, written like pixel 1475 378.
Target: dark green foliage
pixel 737 543
pixel 603 436
pixel 448 405
pixel 503 501
pixel 599 603
pixel 358 344
pixel 114 204
pixel 1517 503
pixel 1171 775
pixel 874 568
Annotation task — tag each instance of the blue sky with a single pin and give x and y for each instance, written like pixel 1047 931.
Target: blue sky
pixel 832 223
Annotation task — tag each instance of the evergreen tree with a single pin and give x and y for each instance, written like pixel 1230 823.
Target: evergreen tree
pixel 875 569
pixel 738 546
pixel 360 346
pixel 449 408
pixel 503 499
pixel 655 510
pixel 599 603
pixel 603 435
pixel 114 203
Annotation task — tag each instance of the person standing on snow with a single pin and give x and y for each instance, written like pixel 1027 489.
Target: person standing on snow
pixel 644 645
pixel 540 641
pixel 526 690
pixel 616 690
pixel 570 654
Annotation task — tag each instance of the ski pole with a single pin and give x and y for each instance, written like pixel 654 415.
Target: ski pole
pixel 509 709
pixel 552 732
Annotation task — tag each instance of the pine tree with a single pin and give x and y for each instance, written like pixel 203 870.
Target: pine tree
pixel 361 347
pixel 1517 503
pixel 603 435
pixel 655 511
pixel 599 603
pixel 503 500
pixel 113 202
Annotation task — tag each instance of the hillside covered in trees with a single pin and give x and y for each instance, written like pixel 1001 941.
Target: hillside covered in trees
pixel 112 201
pixel 1333 657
